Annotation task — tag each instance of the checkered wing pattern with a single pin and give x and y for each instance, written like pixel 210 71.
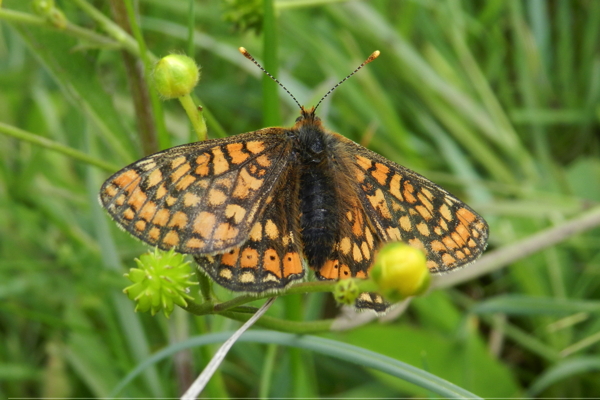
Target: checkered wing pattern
pixel 354 252
pixel 271 258
pixel 355 248
pixel 199 198
pixel 404 206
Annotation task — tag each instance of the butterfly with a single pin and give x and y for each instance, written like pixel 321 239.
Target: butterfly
pixel 257 209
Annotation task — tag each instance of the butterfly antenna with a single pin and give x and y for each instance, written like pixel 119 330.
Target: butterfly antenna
pixel 372 57
pixel 249 57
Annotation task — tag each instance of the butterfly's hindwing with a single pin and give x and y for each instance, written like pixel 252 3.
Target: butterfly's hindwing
pixel 355 246
pixel 271 257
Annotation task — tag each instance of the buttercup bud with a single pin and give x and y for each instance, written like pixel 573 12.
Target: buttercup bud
pixel 345 291
pixel 47 9
pixel 175 75
pixel 42 7
pixel 160 281
pixel 400 271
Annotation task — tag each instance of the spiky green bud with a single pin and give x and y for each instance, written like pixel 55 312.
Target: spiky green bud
pixel 161 280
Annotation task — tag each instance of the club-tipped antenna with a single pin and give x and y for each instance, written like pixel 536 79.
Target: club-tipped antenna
pixel 372 57
pixel 249 57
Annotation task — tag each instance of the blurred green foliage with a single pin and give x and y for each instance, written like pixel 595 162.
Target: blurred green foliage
pixel 498 101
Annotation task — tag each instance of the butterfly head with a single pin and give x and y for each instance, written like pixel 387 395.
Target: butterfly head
pixel 307 117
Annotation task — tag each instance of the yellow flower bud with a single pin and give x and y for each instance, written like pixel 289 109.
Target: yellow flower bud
pixel 175 75
pixel 400 271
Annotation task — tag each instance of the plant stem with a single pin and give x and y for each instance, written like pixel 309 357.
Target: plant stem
pixel 52 145
pixel 142 102
pixel 282 325
pixel 271 115
pixel 205 286
pixel 211 308
pixel 306 287
pixel 71 29
pixel 195 115
pixel 113 30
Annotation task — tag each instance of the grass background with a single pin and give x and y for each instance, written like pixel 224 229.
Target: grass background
pixel 497 101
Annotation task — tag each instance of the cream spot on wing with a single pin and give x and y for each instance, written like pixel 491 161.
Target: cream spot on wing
pixel 247 277
pixel 445 211
pixel 256 232
pixel 154 178
pixel 405 223
pixel 356 254
pixel 423 229
pixel 271 229
pixel 171 200
pixel 394 234
pixel 246 183
pixel 204 224
pixel 365 250
pixel 369 237
pixel 345 245
pixel 219 162
pixel 226 273
pixel 379 204
pixel 236 212
pixel 181 171
pixel 178 220
pixel 216 197
pixel 190 199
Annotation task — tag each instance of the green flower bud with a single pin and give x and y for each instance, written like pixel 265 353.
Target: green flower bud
pixel 400 271
pixel 42 7
pixel 57 18
pixel 160 281
pixel 346 291
pixel 46 9
pixel 175 76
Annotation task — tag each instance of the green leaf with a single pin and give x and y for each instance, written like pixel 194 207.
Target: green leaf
pixel 328 347
pixel 562 371
pixel 464 361
pixel 527 305
pixel 75 72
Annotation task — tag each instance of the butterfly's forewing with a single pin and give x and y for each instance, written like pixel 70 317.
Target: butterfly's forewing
pixel 271 258
pixel 404 206
pixel 198 198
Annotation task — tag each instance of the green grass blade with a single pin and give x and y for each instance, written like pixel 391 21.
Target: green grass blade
pixel 563 370
pixel 526 305
pixel 328 347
